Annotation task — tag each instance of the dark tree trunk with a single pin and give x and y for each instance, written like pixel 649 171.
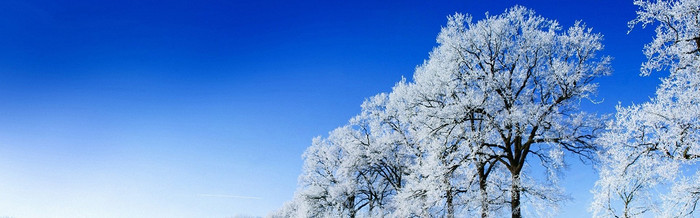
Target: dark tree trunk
pixel 515 196
pixel 450 205
pixel 484 194
pixel 351 206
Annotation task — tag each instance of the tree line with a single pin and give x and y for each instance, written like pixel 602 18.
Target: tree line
pixel 500 97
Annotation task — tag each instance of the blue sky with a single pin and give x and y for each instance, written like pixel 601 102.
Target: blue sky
pixel 203 108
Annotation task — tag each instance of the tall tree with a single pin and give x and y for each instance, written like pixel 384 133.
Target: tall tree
pixel 648 147
pixel 509 87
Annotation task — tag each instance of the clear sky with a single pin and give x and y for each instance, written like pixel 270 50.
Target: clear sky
pixel 140 108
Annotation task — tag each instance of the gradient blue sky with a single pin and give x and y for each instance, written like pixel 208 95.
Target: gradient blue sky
pixel 203 108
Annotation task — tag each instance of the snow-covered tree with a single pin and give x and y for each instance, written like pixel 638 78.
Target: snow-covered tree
pixel 357 170
pixel 329 184
pixel 441 175
pixel 387 145
pixel 655 146
pixel 494 93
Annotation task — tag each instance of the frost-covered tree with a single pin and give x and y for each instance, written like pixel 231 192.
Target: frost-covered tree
pixel 329 178
pixel 506 89
pixel 441 176
pixel 654 147
pixel 357 170
pixel 388 147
